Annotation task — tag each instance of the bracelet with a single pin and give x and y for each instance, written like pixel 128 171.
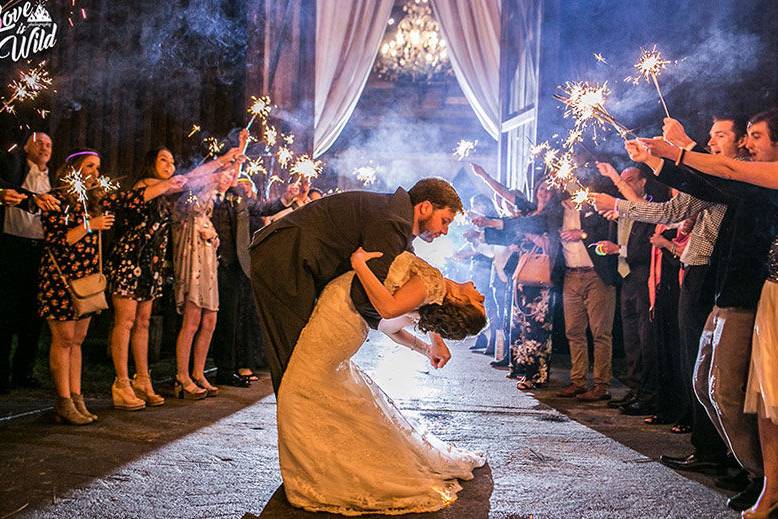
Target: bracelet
pixel 681 154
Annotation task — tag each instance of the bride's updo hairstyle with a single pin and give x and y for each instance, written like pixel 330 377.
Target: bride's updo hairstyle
pixel 452 319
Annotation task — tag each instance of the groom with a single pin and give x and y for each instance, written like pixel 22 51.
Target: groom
pixel 294 258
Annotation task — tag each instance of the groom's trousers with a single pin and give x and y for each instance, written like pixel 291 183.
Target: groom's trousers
pixel 285 293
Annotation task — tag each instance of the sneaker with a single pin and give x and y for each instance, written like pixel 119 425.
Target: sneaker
pixel 595 394
pixel 571 391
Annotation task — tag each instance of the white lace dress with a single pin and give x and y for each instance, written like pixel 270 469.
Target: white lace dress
pixel 343 446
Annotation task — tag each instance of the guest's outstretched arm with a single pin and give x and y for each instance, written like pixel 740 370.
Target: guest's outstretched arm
pixel 407 298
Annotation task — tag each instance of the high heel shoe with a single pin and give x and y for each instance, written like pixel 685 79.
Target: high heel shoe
pixel 124 397
pixel 141 384
pixel 78 401
pixel 190 391
pixel 203 383
pixel 65 412
pixel 753 513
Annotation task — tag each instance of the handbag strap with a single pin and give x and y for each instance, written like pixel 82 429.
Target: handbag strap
pixel 99 255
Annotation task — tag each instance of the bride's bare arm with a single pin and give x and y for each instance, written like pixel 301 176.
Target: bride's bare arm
pixel 407 298
pixel 395 330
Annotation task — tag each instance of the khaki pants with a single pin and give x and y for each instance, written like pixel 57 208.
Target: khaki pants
pixel 720 378
pixel 589 302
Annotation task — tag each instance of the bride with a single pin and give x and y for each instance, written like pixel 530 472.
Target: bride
pixel 343 446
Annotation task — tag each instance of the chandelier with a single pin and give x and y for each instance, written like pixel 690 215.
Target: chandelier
pixel 416 48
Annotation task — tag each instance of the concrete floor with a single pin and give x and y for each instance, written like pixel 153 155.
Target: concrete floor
pixel 217 458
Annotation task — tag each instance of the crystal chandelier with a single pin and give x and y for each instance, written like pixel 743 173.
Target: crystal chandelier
pixel 416 48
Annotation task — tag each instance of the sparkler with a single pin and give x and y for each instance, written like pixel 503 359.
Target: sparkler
pixel 213 145
pixel 284 155
pixel 29 86
pixel 581 197
pixel 271 135
pixel 600 58
pixel 306 167
pixel 76 185
pixel 366 174
pixel 106 184
pixel 255 167
pixel 195 128
pixel 649 66
pixel 575 136
pixel 260 107
pixel 464 149
pixel 289 139
pixel 585 102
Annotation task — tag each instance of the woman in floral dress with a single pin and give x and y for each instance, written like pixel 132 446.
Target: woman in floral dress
pixel 72 248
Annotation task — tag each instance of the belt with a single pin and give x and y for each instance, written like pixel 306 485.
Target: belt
pixel 579 269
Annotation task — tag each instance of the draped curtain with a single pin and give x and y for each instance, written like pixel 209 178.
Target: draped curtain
pixel 472 32
pixel 348 36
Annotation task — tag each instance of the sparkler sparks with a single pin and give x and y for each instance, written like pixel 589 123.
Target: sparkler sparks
pixel 585 102
pixel 260 107
pixel 575 136
pixel 106 184
pixel 306 166
pixel 255 167
pixel 28 87
pixel 581 197
pixel 76 186
pixel 600 58
pixel 213 145
pixel 464 149
pixel 289 139
pixel 271 135
pixel 284 155
pixel 195 128
pixel 366 174
pixel 649 66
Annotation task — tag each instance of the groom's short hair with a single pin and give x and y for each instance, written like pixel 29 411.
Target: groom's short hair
pixel 439 192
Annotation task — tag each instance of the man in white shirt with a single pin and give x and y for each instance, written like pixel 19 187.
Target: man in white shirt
pixel 21 243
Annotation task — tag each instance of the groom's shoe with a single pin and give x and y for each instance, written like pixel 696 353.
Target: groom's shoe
pixel 571 391
pixel 232 379
pixel 693 462
pixel 625 400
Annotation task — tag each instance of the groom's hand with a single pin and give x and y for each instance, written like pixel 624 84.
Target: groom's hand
pixel 438 353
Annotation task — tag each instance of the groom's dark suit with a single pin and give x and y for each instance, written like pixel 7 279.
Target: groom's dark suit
pixel 293 259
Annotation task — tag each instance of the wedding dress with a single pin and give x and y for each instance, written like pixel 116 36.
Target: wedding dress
pixel 343 446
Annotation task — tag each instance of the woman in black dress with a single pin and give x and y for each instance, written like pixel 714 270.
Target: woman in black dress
pixel 136 272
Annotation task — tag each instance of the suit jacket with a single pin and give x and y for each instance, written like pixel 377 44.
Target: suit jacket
pixel 739 259
pixel 232 222
pixel 639 245
pixel 598 229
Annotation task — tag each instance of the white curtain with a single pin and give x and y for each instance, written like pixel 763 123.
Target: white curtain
pixel 348 36
pixel 472 32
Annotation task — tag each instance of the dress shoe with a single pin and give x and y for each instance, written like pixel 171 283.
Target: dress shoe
pixel 65 412
pixel 78 401
pixel 141 384
pixel 692 462
pixel 736 483
pixel 232 379
pixel 626 399
pixel 747 498
pixel 638 408
pixel 499 363
pixel 571 391
pixel 597 393
pixel 124 397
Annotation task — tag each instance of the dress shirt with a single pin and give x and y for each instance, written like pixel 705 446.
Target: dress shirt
pixel 22 223
pixel 574 252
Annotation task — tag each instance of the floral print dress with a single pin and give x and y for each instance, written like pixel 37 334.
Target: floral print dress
pixel 532 312
pixel 75 261
pixel 137 267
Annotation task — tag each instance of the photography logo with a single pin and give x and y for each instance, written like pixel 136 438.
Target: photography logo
pixel 26 29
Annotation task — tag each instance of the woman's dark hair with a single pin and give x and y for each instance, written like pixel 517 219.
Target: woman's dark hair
pixel 438 192
pixel 771 118
pixel 75 159
pixel 452 319
pixel 148 168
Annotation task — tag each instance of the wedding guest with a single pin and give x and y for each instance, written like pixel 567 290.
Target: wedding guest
pixel 21 243
pixel 136 277
pixel 195 243
pixel 72 251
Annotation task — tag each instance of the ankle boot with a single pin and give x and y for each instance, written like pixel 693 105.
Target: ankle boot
pixel 141 384
pixel 78 401
pixel 124 397
pixel 65 412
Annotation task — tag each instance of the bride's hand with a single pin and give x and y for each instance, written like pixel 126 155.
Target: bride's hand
pixel 362 256
pixel 438 352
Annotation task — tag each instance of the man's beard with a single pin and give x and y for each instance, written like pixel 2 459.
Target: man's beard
pixel 425 233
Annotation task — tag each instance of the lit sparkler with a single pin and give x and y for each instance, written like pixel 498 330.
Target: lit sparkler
pixel 260 107
pixel 649 66
pixel 106 184
pixel 271 136
pixel 213 145
pixel 306 167
pixel 600 58
pixel 585 102
pixel 575 136
pixel 195 128
pixel 29 86
pixel 255 167
pixel 76 186
pixel 284 155
pixel 289 139
pixel 464 149
pixel 581 197
pixel 366 174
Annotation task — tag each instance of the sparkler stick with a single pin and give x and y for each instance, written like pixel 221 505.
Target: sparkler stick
pixel 649 66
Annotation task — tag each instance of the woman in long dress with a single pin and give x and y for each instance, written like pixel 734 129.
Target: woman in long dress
pixel 343 446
